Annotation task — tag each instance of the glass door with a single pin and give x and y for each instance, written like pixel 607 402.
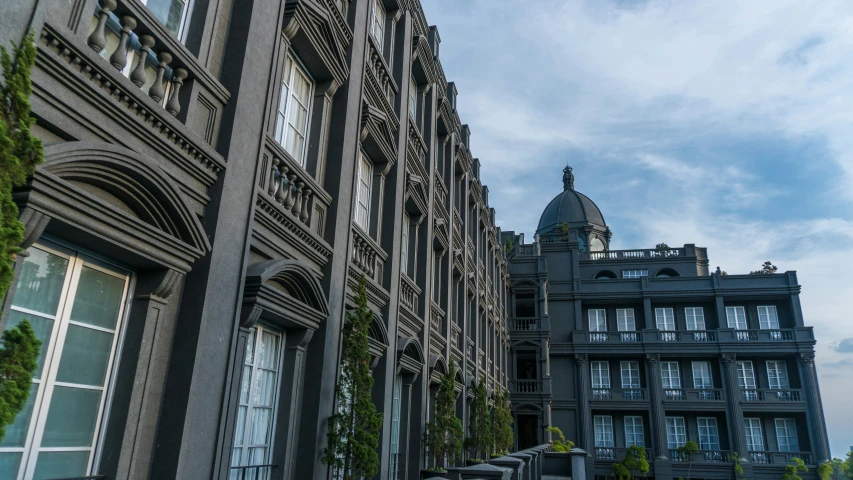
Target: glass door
pixel 75 305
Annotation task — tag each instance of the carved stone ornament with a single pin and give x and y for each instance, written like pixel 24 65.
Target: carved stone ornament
pixel 728 359
pixel 806 358
pixel 581 359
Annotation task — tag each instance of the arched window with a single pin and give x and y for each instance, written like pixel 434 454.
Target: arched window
pixel 605 275
pixel 596 245
pixel 666 272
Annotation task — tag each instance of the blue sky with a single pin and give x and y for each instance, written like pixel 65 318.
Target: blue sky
pixel 724 123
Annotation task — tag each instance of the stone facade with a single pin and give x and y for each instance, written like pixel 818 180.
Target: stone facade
pixel 218 176
pixel 647 347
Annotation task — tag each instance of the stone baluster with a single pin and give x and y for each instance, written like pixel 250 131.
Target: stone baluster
pixel 119 58
pixel 305 217
pixel 273 183
pixel 137 76
pixel 283 192
pixel 290 198
pixel 297 204
pixel 158 90
pixel 97 41
pixel 173 105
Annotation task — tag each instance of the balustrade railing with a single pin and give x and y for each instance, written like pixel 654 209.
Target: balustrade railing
pixel 616 454
pixel 632 394
pixel 780 458
pixel 455 332
pixel 382 75
pixel 524 323
pixel 409 293
pixel 440 189
pixel 772 395
pixel 703 456
pixel 710 336
pixel 364 252
pixel 526 386
pixel 693 394
pixel 529 250
pixel 635 254
pixel 287 186
pixel 252 472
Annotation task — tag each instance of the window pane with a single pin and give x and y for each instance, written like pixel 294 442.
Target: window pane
pixel 71 418
pixel 9 463
pixel 16 433
pixel 98 298
pixel 301 87
pixel 61 464
pixel 169 12
pixel 85 356
pixel 42 328
pixel 40 282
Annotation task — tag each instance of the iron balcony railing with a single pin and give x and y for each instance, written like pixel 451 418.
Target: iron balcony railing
pixel 251 472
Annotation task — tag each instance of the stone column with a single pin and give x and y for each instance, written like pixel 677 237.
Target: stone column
pixel 734 410
pixel 578 463
pixel 816 420
pixel 658 413
pixel 585 411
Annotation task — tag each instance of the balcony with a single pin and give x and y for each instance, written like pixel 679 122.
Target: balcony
pixel 693 394
pixel 780 458
pixel 636 254
pixel 706 337
pixel 628 394
pixel 409 294
pixel 524 324
pixel 772 395
pixel 703 456
pixel 365 252
pixel 617 454
pixel 526 386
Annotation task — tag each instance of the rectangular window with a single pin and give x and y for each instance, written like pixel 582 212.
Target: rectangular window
pixel 665 319
pixel 777 375
pixel 363 193
pixel 75 305
pixel 709 438
pixel 413 98
pixel 258 401
pixel 597 320
pixel 172 13
pixel 736 318
pixel 291 125
pixel 600 374
pixel 786 435
pixel 702 375
pixel 669 375
pixel 676 433
pixel 625 320
pixel 525 305
pixel 634 433
pixel 377 23
pixel 404 244
pixel 767 318
pixel 637 273
pixel 603 431
pixel 630 373
pixel 695 317
pixel 754 439
pixel 395 427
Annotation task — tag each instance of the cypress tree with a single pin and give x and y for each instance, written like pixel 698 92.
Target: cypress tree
pixel 444 436
pixel 20 152
pixel 480 436
pixel 502 428
pixel 353 434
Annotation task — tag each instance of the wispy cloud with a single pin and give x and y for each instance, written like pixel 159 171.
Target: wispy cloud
pixel 720 123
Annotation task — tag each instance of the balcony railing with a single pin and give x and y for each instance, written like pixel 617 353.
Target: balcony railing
pixel 617 454
pixel 364 252
pixel 635 254
pixel 703 456
pixel 694 394
pixel 529 250
pixel 436 318
pixel 763 335
pixel 251 472
pixel 524 324
pixel 694 337
pixel 409 293
pixel 772 395
pixel 454 336
pixel 527 386
pixel 630 394
pixel 780 458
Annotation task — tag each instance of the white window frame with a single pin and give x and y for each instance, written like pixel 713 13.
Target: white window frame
pixel 603 428
pixel 292 68
pixel 768 317
pixel 185 14
pixel 777 375
pixel 600 374
pixel 665 319
pixel 676 432
pixel 670 375
pixel 709 435
pixel 53 355
pixel 404 243
pixel 736 318
pixel 702 377
pixel 695 318
pixel 396 406
pixel 786 435
pixel 377 23
pixel 635 273
pixel 754 438
pixel 597 319
pixel 630 374
pixel 635 433
pixel 625 321
pixel 364 192
pixel 413 98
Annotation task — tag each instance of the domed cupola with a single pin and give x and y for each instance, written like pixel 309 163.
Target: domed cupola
pixel 572 210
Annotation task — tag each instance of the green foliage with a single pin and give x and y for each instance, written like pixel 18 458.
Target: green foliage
pixel 353 435
pixel 560 444
pixel 793 469
pixel 686 452
pixel 443 437
pixel 825 470
pixel 563 227
pixel 18 362
pixel 634 463
pixel 661 246
pixel 20 152
pixel 736 465
pixel 766 269
pixel 502 424
pixel 844 467
pixel 509 248
pixel 620 472
pixel 479 425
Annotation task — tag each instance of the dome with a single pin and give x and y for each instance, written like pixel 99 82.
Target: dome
pixel 570 207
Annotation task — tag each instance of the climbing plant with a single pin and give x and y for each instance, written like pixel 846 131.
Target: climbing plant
pixel 20 151
pixel 353 434
pixel 479 439
pixel 443 437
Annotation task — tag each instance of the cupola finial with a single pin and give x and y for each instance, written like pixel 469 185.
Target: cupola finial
pixel 568 179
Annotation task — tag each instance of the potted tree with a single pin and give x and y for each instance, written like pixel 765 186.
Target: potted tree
pixel 502 425
pixel 479 439
pixel 443 437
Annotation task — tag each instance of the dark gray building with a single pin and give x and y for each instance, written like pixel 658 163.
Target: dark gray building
pixel 218 176
pixel 648 347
